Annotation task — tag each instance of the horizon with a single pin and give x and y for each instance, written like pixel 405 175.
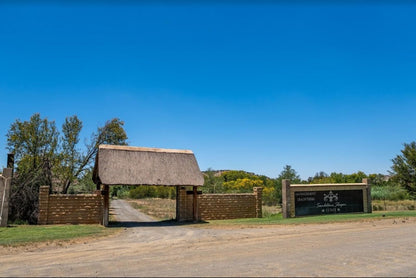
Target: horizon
pixel 318 86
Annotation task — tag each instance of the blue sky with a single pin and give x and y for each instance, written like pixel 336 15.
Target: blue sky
pixel 318 86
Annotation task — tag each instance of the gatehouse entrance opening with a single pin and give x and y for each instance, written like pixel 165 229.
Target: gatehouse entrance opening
pixel 139 166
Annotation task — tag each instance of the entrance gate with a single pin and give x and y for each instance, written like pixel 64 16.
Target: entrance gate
pixel 125 165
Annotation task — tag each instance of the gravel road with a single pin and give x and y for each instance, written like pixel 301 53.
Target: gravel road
pixel 147 248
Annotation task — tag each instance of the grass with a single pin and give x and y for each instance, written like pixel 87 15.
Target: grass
pixel 23 234
pixel 319 219
pixel 270 210
pixel 387 205
pixel 159 209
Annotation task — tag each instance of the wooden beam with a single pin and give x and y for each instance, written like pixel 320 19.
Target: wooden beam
pixel 177 203
pixel 195 204
pixel 106 204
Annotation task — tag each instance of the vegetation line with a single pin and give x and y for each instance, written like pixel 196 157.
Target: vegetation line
pixel 16 235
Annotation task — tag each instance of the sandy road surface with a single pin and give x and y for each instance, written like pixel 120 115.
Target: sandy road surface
pixel 378 248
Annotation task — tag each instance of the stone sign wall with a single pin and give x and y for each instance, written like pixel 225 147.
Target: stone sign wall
pixel 316 199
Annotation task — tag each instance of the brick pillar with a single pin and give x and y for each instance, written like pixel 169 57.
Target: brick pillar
pixel 286 198
pixel 258 193
pixel 369 202
pixel 43 205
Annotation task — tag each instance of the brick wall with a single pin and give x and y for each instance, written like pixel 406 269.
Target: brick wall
pixel 89 208
pixel 70 208
pixel 227 206
pixel 221 206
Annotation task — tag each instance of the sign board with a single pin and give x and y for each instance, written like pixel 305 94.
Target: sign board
pixel 328 202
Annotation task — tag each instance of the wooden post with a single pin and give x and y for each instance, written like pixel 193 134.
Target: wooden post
pixel 368 191
pixel 178 192
pixel 195 204
pixel 5 184
pixel 286 198
pixel 106 204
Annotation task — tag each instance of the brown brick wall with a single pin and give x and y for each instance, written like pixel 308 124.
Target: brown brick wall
pixel 220 206
pixel 70 209
pixel 227 206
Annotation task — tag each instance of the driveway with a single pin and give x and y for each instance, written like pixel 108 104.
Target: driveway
pixel 147 248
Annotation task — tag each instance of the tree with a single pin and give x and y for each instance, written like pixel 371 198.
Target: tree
pixel 34 144
pixel 233 175
pixel 111 133
pixel 212 183
pixel 43 157
pixel 404 168
pixel 70 157
pixel 289 173
pixel 320 177
pixel 242 185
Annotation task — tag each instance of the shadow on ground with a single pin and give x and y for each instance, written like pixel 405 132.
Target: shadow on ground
pixel 163 223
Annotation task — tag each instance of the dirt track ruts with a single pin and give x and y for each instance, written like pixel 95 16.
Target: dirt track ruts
pixel 373 248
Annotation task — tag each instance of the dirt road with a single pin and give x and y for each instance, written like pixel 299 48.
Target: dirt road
pixel 379 248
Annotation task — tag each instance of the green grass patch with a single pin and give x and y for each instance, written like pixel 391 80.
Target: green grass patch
pixel 160 209
pixel 331 218
pixel 24 234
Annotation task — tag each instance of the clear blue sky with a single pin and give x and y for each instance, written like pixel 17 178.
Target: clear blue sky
pixel 318 86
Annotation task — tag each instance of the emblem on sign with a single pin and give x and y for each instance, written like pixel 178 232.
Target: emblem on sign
pixel 330 197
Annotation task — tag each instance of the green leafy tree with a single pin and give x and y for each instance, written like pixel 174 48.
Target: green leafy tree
pixel 289 173
pixel 404 168
pixel 233 175
pixel 242 185
pixel 34 144
pixel 43 157
pixel 212 182
pixel 70 156
pixel 111 133
pixel 320 177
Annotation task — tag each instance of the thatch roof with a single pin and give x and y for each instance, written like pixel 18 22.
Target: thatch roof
pixel 125 165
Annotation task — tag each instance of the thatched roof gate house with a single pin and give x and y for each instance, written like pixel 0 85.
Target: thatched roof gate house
pixel 125 165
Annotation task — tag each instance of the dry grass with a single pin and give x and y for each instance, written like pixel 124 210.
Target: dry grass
pixel 271 210
pixel 394 205
pixel 159 209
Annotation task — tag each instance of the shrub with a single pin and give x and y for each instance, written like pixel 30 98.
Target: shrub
pixel 141 192
pixel 377 207
pixel 389 192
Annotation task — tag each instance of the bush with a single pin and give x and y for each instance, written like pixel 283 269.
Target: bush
pixel 270 196
pixel 377 207
pixel 389 192
pixel 121 192
pixel 141 192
